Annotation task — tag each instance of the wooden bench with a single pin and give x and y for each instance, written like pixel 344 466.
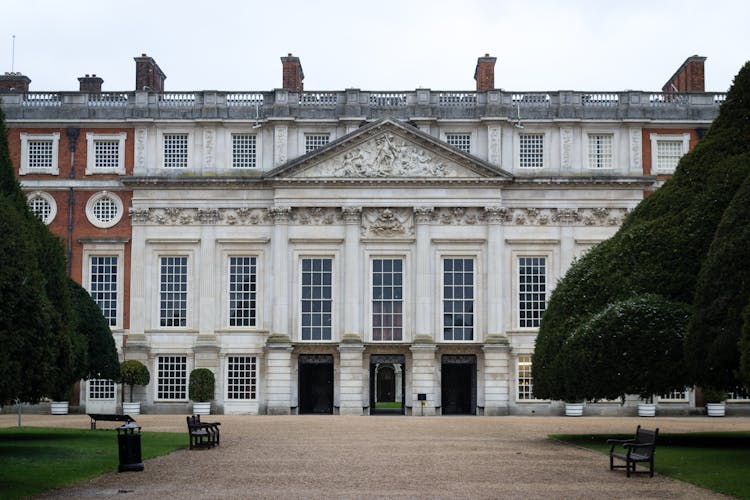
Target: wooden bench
pixel 202 434
pixel 639 449
pixel 111 417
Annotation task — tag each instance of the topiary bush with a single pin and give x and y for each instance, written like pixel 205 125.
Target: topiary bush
pixel 132 373
pixel 202 385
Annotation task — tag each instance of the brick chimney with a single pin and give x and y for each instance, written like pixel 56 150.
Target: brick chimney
pixel 688 78
pixel 484 73
pixel 14 82
pixel 292 74
pixel 148 74
pixel 90 83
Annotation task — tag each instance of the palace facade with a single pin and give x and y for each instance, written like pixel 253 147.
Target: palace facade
pixel 351 252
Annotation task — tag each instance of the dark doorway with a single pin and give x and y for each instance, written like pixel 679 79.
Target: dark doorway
pixel 387 384
pixel 459 382
pixel 316 383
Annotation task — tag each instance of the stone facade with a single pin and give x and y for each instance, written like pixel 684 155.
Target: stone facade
pixel 344 252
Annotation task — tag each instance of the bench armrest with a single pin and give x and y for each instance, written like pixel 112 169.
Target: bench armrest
pixel 619 441
pixel 639 445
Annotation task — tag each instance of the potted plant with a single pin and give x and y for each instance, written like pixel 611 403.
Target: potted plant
pixel 201 390
pixel 715 400
pixel 132 373
pixel 60 404
pixel 647 408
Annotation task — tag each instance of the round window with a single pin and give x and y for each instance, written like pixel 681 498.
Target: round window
pixel 43 205
pixel 104 209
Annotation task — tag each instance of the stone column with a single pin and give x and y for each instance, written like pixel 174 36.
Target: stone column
pixel 496 376
pixel 423 373
pixel 351 376
pixel 423 310
pixel 495 264
pixel 353 276
pixel 281 312
pixel 278 375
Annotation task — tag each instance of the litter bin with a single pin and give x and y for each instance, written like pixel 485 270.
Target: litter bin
pixel 129 444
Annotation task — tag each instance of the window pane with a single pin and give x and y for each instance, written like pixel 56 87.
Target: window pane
pixel 317 299
pixel 532 290
pixel 458 299
pixel 387 299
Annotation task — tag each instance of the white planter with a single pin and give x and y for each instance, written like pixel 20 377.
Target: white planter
pixel 716 409
pixel 202 408
pixel 574 409
pixel 647 410
pixel 58 407
pixel 131 408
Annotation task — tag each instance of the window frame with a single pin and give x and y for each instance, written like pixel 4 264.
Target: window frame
pixel 25 168
pixel 92 386
pixel 655 139
pixel 332 299
pixel 530 377
pixel 549 248
pixel 256 158
pixel 370 323
pixel 94 199
pixel 518 295
pixel 158 377
pixel 91 139
pixel 107 250
pixel 156 249
pixel 308 133
pixel 517 149
pixel 255 380
pixel 447 135
pixel 587 135
pixel 50 201
pixel 188 153
pixel 476 301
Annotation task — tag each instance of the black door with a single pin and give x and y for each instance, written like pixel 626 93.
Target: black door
pixel 316 384
pixel 458 385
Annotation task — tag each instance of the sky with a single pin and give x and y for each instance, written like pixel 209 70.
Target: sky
pixel 584 45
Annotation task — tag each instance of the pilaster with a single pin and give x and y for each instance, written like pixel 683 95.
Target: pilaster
pixel 424 377
pixel 351 376
pixel 424 303
pixel 280 308
pixel 278 375
pixel 497 372
pixel 353 274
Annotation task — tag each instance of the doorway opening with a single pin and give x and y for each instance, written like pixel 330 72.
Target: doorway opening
pixel 315 384
pixel 387 384
pixel 459 385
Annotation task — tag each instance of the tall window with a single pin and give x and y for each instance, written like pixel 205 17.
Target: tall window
pixel 242 377
pixel 532 290
pixel 173 291
pixel 242 289
pixel 317 299
pixel 387 299
pixel 103 285
pixel 243 151
pixel 600 150
pixel 40 153
pixel 101 389
pixel 175 150
pixel 460 141
pixel 171 377
pixel 315 141
pixel 525 382
pixel 531 150
pixel 458 299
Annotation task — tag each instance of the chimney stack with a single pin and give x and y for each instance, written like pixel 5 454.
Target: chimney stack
pixel 148 74
pixel 292 74
pixel 484 73
pixel 14 82
pixel 688 78
pixel 90 83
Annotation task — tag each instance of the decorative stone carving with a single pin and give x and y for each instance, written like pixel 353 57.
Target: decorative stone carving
pixel 280 214
pixel 352 215
pixel 316 216
pixel 208 215
pixel 635 148
pixel 493 131
pixel 459 215
pixel 566 147
pixel 140 215
pixel 140 148
pixel 280 133
pixel 387 223
pixel 496 215
pixel 209 145
pixel 386 155
pixel 424 215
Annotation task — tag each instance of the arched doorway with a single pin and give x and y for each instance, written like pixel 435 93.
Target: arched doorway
pixel 387 384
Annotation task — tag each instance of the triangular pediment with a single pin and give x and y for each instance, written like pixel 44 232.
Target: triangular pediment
pixel 387 149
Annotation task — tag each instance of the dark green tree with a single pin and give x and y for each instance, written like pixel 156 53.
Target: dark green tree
pixel 101 359
pixel 662 244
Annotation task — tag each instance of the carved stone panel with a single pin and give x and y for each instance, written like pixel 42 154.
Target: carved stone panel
pixel 140 148
pixel 387 223
pixel 566 147
pixel 636 150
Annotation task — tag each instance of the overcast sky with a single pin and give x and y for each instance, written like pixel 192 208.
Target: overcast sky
pixel 375 45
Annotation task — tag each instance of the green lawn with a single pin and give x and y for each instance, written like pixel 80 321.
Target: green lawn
pixel 719 461
pixel 387 404
pixel 36 459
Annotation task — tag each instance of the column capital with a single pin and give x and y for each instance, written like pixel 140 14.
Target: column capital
pixel 280 215
pixel 352 215
pixel 495 214
pixel 423 215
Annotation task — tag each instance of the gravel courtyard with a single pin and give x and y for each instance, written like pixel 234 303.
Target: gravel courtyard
pixel 386 457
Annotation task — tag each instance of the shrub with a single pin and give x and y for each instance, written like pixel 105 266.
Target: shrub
pixel 201 388
pixel 132 373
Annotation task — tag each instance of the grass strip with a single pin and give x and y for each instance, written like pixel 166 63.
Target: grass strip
pixel 37 459
pixel 718 461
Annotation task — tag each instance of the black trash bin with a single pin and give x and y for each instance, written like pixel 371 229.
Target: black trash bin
pixel 129 444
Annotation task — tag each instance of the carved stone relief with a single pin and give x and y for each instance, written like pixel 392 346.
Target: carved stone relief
pixel 387 223
pixel 493 131
pixel 566 147
pixel 209 145
pixel 459 215
pixel 315 216
pixel 384 156
pixel 140 148
pixel 635 148
pixel 280 133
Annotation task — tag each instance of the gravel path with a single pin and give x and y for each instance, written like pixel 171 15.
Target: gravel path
pixel 387 457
